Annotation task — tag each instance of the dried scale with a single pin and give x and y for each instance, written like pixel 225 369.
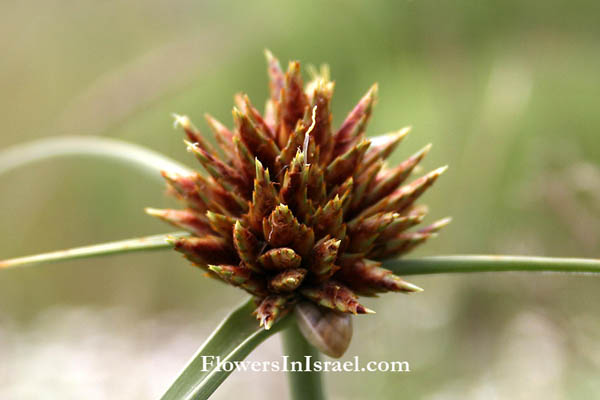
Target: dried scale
pixel 296 212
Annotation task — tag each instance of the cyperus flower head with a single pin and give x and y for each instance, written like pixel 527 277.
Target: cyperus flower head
pixel 294 211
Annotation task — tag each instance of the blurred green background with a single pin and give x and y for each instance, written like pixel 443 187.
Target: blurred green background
pixel 508 92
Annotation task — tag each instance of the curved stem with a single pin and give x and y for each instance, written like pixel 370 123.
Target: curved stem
pixel 491 263
pixel 235 338
pixel 154 242
pixel 106 148
pixel 303 385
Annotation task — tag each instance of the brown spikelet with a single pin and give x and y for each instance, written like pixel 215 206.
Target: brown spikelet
pixel 184 219
pixel 333 295
pixel 366 276
pixel 222 134
pixel 242 277
pixel 269 309
pixel 386 183
pixel 185 188
pixel 291 209
pixel 382 146
pixel 246 246
pixel 264 198
pixel 323 258
pixel 287 281
pixel 293 102
pixel 278 259
pixel 353 126
pixel 221 224
pixel 205 250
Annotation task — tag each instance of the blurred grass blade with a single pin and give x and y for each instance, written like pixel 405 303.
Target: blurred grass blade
pixel 491 263
pixel 233 340
pixel 85 146
pixel 154 242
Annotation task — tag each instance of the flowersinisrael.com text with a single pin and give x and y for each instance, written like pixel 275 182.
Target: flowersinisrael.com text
pixel 307 365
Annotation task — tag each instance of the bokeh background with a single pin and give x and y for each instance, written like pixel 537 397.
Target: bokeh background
pixel 508 92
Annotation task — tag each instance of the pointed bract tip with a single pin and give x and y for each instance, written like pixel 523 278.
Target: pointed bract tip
pixel 268 55
pixel 257 165
pixel 411 288
pixel 155 212
pixel 299 157
pixel 294 67
pixel 405 130
pixel 360 309
pixel 364 144
pixel 401 133
pixel 283 208
pixel 210 214
pixel 443 222
pixel 191 147
pixel 215 268
pixel 169 175
pixel 267 323
pixel 237 114
pixel 180 120
pixel 440 170
pixel 374 90
pixel 426 149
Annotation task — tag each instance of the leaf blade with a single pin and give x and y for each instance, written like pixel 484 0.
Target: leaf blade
pixel 237 335
pixel 491 263
pixel 131 154
pixel 154 242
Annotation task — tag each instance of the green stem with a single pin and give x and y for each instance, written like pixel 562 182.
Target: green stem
pixel 76 146
pixel 236 337
pixel 491 263
pixel 155 242
pixel 303 385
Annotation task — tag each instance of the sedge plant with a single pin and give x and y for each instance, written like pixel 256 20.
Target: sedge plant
pixel 304 217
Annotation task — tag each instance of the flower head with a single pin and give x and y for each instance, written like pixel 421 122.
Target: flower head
pixel 291 209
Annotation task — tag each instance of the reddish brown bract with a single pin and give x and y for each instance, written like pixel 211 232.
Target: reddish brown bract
pixel 290 209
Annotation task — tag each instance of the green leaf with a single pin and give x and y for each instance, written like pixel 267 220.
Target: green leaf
pixel 89 146
pixel 155 242
pixel 491 263
pixel 233 340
